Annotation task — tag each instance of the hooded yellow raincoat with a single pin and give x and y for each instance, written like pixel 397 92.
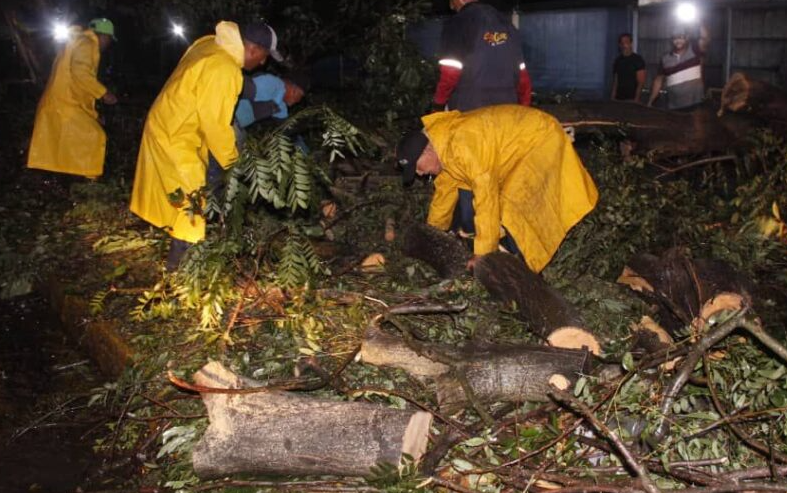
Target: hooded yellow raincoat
pixel 67 137
pixel 522 170
pixel 191 116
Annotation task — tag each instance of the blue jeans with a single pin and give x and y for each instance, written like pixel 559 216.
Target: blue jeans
pixel 464 219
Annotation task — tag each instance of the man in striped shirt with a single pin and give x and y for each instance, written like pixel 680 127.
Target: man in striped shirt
pixel 481 62
pixel 681 71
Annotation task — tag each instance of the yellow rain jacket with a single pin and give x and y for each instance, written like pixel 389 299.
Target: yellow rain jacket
pixel 191 116
pixel 522 170
pixel 67 137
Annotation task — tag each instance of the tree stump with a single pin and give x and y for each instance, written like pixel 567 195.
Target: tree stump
pixel 283 433
pixel 544 310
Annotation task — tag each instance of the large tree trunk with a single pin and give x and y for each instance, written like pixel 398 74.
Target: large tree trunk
pixel 443 251
pixel 545 310
pixel 494 372
pixel 660 132
pixel 282 433
pixel 743 94
pixel 685 289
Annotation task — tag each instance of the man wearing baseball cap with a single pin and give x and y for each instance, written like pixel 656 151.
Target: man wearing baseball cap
pixel 67 137
pixel 191 119
pixel 506 174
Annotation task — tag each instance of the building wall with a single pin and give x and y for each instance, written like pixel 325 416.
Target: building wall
pixel 758 41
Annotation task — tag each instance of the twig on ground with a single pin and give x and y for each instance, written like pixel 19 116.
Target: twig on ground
pixel 699 162
pixel 633 462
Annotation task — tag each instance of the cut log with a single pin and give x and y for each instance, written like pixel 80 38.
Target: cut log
pixel 519 373
pixel 680 286
pixel 443 251
pixel 544 309
pixel 282 433
pixel 494 372
pixel 661 133
pixel 744 94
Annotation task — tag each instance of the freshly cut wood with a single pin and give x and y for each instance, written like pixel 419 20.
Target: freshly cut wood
pixel 660 132
pixel 649 337
pixel 744 94
pixel 381 348
pixel 542 307
pixel 494 372
pixel 443 251
pixel 680 286
pixel 282 433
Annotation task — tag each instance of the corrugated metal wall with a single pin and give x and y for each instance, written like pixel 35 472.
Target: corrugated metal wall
pixel 573 49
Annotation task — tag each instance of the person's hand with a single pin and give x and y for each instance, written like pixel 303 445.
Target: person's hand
pixel 109 98
pixel 292 93
pixel 471 263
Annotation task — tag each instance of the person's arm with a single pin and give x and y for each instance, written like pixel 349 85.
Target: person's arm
pixel 614 87
pixel 655 89
pixel 486 202
pixel 641 76
pixel 525 86
pixel 216 96
pixel 441 209
pixel 83 69
pixel 453 46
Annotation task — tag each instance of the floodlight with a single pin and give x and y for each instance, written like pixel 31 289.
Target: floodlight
pixel 60 31
pixel 686 12
pixel 178 30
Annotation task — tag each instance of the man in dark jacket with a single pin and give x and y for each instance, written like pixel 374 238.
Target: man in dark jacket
pixel 481 62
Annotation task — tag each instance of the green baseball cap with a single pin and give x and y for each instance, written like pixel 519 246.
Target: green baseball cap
pixel 102 25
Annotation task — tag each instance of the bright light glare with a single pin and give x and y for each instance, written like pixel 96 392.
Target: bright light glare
pixel 686 12
pixel 60 31
pixel 178 30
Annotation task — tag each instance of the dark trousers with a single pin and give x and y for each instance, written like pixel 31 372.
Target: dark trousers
pixel 214 177
pixel 464 219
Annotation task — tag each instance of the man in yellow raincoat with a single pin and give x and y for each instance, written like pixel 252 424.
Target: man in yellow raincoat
pixel 190 118
pixel 67 137
pixel 506 173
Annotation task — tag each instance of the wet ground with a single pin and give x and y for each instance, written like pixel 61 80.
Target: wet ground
pixel 45 442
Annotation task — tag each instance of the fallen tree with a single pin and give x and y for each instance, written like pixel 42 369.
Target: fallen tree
pixel 686 289
pixel 746 95
pixel 542 307
pixel 443 251
pixel 493 372
pixel 283 433
pixel 662 133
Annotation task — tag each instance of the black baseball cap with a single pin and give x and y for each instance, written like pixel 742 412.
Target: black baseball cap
pixel 262 34
pixel 408 150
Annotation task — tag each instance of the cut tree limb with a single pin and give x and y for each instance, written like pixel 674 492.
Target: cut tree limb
pixel 494 372
pixel 681 286
pixel 662 133
pixel 542 307
pixel 744 94
pixel 443 251
pixel 284 433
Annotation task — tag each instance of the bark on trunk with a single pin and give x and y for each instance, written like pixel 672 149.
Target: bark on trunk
pixel 281 433
pixel 443 251
pixel 545 310
pixel 494 372
pixel 684 289
pixel 661 132
pixel 743 94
